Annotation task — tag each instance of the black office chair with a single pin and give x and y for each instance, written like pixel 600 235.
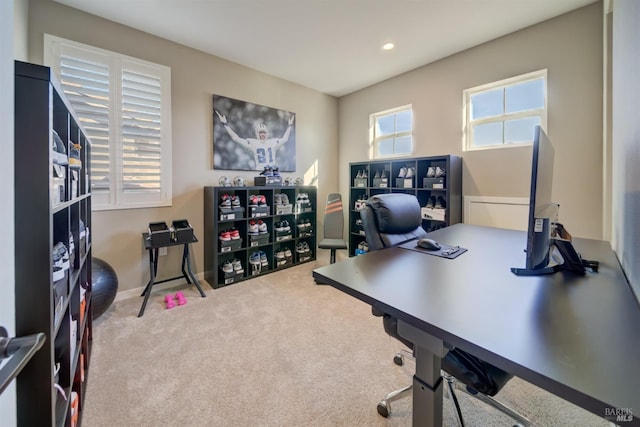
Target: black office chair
pixel 333 226
pixel 390 220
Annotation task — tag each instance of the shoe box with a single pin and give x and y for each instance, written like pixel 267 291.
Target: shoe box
pixel 258 239
pixel 360 182
pixel 433 183
pixel 259 211
pixel 381 182
pixel 404 182
pixel 261 181
pixel 230 245
pixel 231 213
pixel 284 209
pixel 437 214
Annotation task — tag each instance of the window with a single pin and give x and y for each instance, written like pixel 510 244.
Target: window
pixel 504 113
pixel 391 133
pixel 124 105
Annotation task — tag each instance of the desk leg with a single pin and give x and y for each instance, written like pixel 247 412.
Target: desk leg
pixel 153 269
pixel 427 382
pixel 189 273
pixel 427 389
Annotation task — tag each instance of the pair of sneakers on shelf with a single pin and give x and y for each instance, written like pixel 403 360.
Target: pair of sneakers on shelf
pixel 282 253
pixel 229 234
pixel 232 266
pixel 229 201
pixel 407 172
pixel 270 171
pixel 380 175
pixel 258 262
pixel 436 172
pixel 281 199
pixel 362 174
pixel 303 249
pixel 257 227
pixel 363 248
pixel 436 202
pixel 304 224
pixel 257 200
pixel 302 198
pixel 282 226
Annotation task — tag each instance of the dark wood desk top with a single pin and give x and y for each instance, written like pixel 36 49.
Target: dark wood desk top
pixel 575 336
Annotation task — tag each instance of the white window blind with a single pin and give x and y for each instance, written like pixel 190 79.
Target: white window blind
pixel 123 103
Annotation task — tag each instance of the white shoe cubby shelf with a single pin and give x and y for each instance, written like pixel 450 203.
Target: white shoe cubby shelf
pixel 53 249
pixel 250 231
pixel 436 181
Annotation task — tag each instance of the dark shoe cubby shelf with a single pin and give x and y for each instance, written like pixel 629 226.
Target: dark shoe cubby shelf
pixel 52 250
pixel 436 181
pixel 251 231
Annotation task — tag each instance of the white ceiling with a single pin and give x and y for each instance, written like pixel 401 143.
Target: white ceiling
pixel 333 46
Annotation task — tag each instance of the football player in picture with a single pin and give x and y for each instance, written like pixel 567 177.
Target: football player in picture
pixel 264 149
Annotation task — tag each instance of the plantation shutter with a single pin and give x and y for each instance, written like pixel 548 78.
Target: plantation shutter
pixel 141 132
pixel 86 84
pixel 124 105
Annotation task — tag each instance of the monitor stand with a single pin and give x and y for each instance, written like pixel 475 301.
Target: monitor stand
pixel 572 261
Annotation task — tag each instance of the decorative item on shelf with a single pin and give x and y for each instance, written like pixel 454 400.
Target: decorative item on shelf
pixel 238 181
pixel 224 181
pixel 104 286
pixel 269 176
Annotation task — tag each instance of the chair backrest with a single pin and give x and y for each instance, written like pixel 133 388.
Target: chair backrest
pixel 391 219
pixel 333 217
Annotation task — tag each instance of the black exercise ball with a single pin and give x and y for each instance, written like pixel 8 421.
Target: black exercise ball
pixel 104 286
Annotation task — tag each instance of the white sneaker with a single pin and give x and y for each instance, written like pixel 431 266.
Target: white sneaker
pixel 403 172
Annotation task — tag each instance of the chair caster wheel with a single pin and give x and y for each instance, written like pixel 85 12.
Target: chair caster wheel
pixel 397 359
pixel 383 408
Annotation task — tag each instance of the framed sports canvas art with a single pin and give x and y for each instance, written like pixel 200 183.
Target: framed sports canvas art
pixel 248 136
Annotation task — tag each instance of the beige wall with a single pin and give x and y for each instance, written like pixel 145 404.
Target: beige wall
pixel 195 77
pixel 570 47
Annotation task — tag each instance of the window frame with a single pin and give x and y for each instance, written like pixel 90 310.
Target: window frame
pixel 373 139
pixel 468 123
pixel 117 197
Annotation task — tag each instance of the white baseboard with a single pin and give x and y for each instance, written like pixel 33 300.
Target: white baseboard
pixel 500 212
pixel 131 293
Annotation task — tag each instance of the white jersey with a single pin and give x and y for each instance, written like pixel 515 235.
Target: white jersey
pixel 264 152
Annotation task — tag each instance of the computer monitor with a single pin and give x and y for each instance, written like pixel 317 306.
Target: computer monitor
pixel 545 236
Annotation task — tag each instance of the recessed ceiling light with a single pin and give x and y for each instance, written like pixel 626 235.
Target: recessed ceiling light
pixel 388 46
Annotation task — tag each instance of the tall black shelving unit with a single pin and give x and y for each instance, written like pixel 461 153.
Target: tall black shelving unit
pixel 271 243
pixel 444 192
pixel 52 205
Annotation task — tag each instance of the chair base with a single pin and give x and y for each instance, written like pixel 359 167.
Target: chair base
pixel 384 406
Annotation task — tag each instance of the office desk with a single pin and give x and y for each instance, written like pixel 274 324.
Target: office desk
pixel 576 336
